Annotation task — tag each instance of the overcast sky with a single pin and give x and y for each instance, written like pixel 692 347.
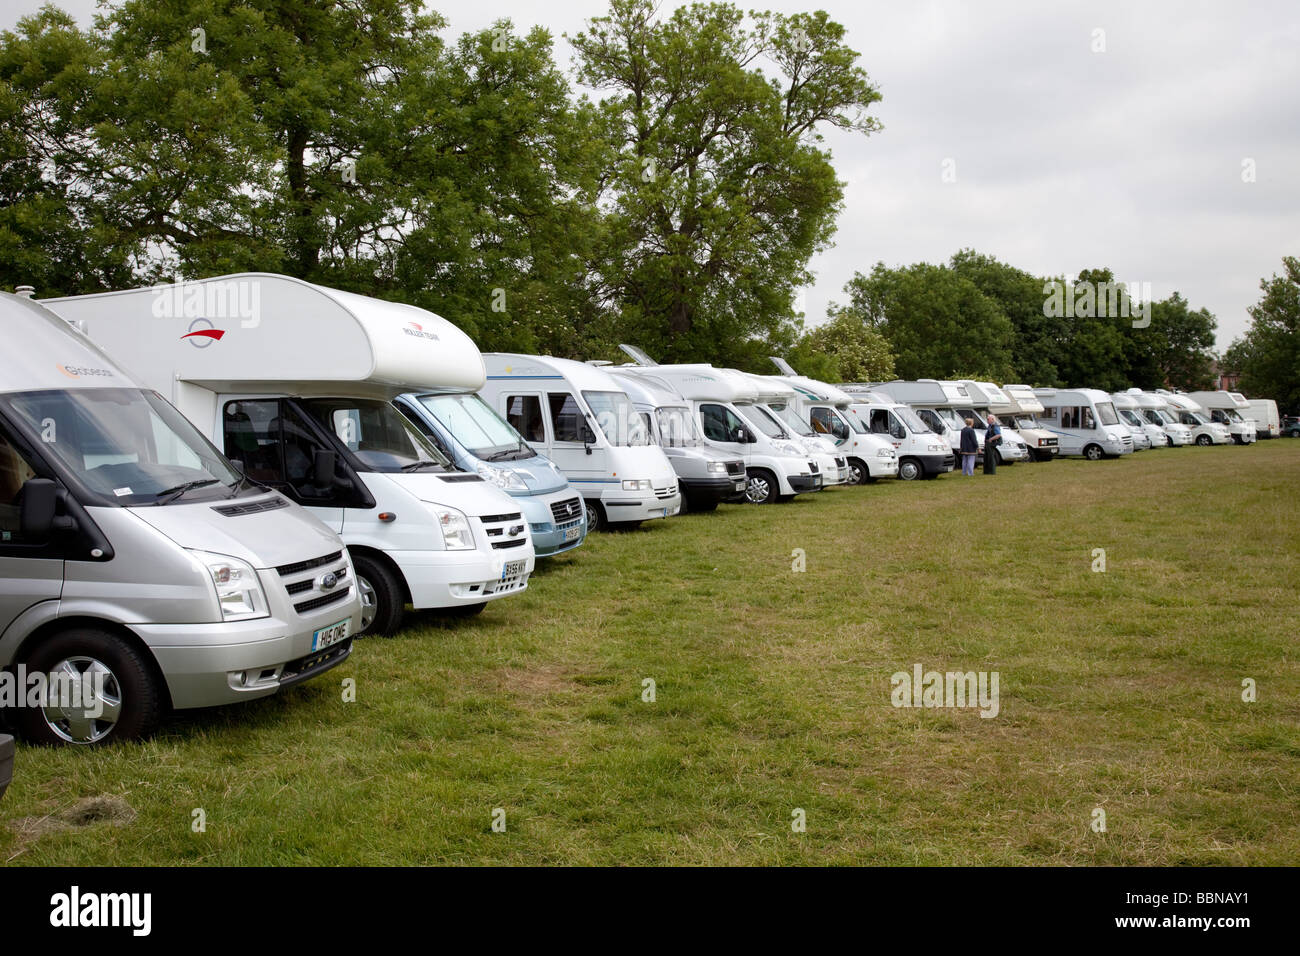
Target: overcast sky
pixel 1064 158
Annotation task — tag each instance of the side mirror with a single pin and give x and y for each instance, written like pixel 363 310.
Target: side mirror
pixel 238 465
pixel 36 519
pixel 740 436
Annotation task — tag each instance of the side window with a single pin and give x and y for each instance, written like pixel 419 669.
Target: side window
pixel 648 430
pixel 524 413
pixel 896 429
pixel 1085 414
pixel 274 443
pixel 423 427
pixel 880 421
pixel 567 420
pixel 14 472
pixel 927 416
pixel 1048 413
pixel 717 422
pixel 821 421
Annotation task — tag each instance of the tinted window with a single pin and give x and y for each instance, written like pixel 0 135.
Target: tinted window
pixel 566 417
pixel 524 413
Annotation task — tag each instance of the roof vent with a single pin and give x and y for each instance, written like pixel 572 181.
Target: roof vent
pixel 25 291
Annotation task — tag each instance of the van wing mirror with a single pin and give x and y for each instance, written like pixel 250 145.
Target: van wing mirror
pixel 36 517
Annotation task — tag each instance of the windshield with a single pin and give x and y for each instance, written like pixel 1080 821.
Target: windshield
pixel 1025 421
pixel 762 420
pixel 126 444
pixel 855 419
pixel 380 436
pixel 485 434
pixel 1165 417
pixel 1130 417
pixel 678 427
pixel 1106 411
pixel 911 420
pixel 617 419
pixel 953 420
pixel 792 420
pixel 1232 415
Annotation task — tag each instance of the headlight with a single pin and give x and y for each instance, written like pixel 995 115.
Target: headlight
pixel 238 591
pixel 456 535
pixel 718 466
pixel 885 453
pixel 788 448
pixel 936 448
pixel 503 478
pixel 636 484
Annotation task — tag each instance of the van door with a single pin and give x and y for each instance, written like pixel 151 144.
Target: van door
pixel 277 448
pixel 574 444
pixel 30 571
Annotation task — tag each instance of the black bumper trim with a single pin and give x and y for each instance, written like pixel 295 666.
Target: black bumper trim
pixel 305 668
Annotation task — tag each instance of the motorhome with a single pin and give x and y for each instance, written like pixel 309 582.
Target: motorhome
pixel 1086 422
pixel 1190 413
pixel 1023 407
pixel 477 439
pixel 1230 409
pixel 828 410
pixel 781 401
pixel 921 452
pixel 725 404
pixel 136 559
pixel 296 385
pixel 1264 411
pixel 1130 413
pixel 948 404
pixel 706 477
pixel 1155 411
pixel 993 398
pixel 579 416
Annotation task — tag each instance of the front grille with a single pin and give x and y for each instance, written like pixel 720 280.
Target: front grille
pixel 300 587
pixel 285 570
pixel 333 597
pixel 812 466
pixel 505 531
pixel 563 511
pixel 841 463
pixel 492 519
pixel 516 543
pixel 251 508
pixel 666 492
pixel 735 468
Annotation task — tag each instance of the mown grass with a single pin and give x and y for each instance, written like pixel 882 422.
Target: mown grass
pixel 1120 690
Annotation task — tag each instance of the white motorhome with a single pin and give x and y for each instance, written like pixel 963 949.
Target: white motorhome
pixel 1268 424
pixel 781 401
pixel 1155 410
pixel 993 399
pixel 1086 422
pixel 299 391
pixel 1130 413
pixel 948 404
pixel 725 404
pixel 1191 414
pixel 922 453
pixel 706 477
pixel 1022 408
pixel 581 418
pixel 1230 409
pixel 134 559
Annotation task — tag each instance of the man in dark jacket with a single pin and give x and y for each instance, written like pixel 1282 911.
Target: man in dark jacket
pixel 970 447
pixel 992 438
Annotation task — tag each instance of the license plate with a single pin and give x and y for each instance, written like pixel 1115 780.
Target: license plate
pixel 571 534
pixel 512 569
pixel 329 635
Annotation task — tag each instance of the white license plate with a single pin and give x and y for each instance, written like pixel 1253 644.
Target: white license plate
pixel 512 569
pixel 571 534
pixel 329 635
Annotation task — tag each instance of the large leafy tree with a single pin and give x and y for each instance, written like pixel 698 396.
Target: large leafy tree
pixel 937 322
pixel 721 191
pixel 1268 355
pixel 846 349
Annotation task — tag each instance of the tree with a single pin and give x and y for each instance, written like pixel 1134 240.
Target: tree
pixel 1092 355
pixel 852 350
pixel 721 192
pixel 936 321
pixel 1268 355
pixel 1038 338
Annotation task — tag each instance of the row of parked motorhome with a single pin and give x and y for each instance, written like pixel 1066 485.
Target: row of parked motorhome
pixel 209 490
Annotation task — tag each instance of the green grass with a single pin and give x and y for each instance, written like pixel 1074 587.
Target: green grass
pixel 1119 690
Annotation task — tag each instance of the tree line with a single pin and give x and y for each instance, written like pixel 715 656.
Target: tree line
pixel 676 204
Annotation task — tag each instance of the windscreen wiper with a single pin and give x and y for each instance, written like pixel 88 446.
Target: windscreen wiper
pixel 417 465
pixel 174 493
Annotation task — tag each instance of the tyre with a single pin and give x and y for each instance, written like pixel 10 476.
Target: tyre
pixel 382 597
pixel 126 690
pixel 1204 440
pixel 1093 453
pixel 762 488
pixel 858 473
pixel 595 515
pixel 909 469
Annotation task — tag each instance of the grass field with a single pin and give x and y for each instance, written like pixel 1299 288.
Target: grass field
pixel 1119 690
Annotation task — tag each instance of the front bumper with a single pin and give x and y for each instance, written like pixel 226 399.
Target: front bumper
pixel 662 502
pixel 936 464
pixel 801 484
pixel 461 578
pixel 712 490
pixel 210 664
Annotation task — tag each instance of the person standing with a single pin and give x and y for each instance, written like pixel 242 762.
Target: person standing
pixel 992 438
pixel 970 447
